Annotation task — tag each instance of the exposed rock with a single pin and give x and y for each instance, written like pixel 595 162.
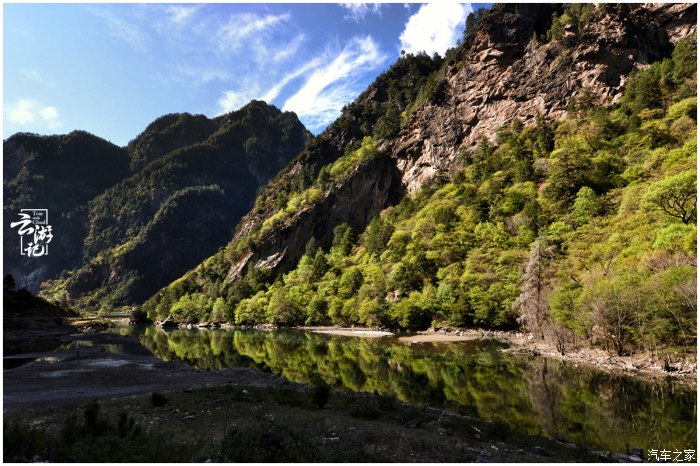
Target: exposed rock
pixel 506 75
pixel 369 190
pixel 169 322
pixel 501 75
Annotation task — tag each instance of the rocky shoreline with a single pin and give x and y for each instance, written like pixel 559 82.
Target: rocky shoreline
pixel 683 369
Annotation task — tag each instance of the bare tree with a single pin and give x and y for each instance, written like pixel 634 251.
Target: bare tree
pixel 531 304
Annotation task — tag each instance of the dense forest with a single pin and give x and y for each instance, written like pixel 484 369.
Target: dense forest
pixel 580 229
pixel 130 220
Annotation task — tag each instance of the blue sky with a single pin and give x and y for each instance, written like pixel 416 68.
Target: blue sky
pixel 111 69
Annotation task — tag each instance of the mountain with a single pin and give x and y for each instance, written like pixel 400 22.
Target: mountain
pixel 180 188
pixel 61 174
pixel 524 179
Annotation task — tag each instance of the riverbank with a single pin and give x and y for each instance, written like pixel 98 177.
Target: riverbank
pixel 683 368
pixel 85 367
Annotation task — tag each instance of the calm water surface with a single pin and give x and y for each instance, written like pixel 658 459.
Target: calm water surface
pixel 528 394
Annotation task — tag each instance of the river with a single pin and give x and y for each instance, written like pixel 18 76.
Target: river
pixel 529 394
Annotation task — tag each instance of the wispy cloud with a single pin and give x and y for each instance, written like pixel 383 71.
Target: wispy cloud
pixel 31 112
pixel 288 50
pixel 435 27
pixel 36 77
pixel 203 75
pixel 335 83
pixel 358 11
pixel 123 28
pixel 301 71
pixel 32 75
pixel 240 27
pixel 249 89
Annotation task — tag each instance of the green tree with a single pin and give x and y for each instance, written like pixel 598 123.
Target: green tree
pixel 675 195
pixel 319 266
pixel 405 278
pixel 343 238
pixel 685 59
pixel 543 136
pixel 585 205
pixel 570 165
pixel 389 124
pixel 377 235
pixel 472 23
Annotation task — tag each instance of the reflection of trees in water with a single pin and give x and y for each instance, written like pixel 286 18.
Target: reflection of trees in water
pixel 595 408
pixel 532 395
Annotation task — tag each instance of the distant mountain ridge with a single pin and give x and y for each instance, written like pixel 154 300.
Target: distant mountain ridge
pixel 129 220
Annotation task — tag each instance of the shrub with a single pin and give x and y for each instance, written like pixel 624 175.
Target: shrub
pixel 264 444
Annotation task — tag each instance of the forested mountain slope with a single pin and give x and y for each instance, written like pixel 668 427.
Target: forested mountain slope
pixel 174 199
pixel 549 181
pixel 61 174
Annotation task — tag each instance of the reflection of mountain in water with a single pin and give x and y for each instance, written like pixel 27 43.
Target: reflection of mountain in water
pixel 532 395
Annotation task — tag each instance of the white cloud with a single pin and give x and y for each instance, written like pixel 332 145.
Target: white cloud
pixel 435 27
pixel 334 84
pixel 180 14
pixel 246 25
pixel 233 100
pixel 358 11
pixel 250 89
pixel 30 111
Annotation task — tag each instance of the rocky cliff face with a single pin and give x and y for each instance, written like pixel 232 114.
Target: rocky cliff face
pixel 369 190
pixel 505 72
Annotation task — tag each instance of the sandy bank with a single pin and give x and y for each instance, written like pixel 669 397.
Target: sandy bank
pixel 436 337
pixel 349 332
pixel 74 376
